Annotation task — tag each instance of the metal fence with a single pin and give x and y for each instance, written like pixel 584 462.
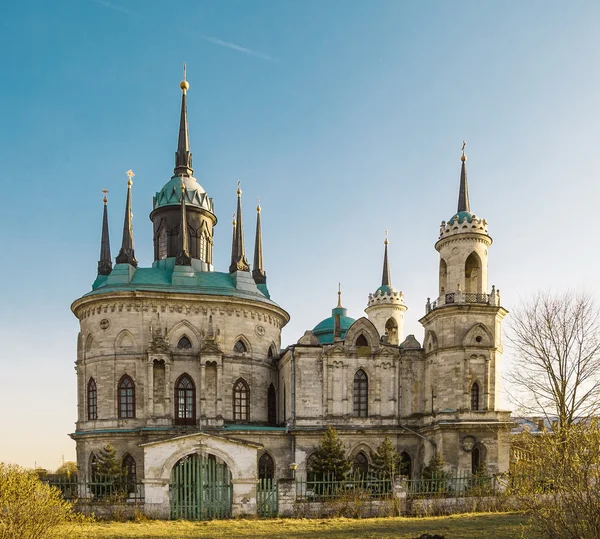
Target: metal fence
pixel 109 489
pixel 447 485
pixel 330 487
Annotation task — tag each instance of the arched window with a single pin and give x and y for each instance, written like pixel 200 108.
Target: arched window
pixel 405 464
pixel 478 459
pixel 162 243
pixel 361 393
pixel 361 464
pixel 271 405
pixel 391 331
pixel 272 353
pixel 240 347
pixel 185 401
pixel 473 281
pixel 94 466
pixel 184 343
pixel 92 400
pixel 475 396
pixel 128 464
pixel 203 247
pixel 241 401
pixel 126 398
pixel 361 341
pixel 443 276
pixel 266 467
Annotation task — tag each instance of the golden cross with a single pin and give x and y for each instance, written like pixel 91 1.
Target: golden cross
pixel 233 219
pixel 463 146
pixel 130 175
pixel 105 192
pixel 184 72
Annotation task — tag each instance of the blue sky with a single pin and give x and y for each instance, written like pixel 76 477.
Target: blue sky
pixel 345 117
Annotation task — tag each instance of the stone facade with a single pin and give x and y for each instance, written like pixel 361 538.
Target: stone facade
pixel 178 357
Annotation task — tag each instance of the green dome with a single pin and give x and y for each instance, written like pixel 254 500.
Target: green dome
pixel 384 289
pixel 195 195
pixel 324 329
pixel 461 216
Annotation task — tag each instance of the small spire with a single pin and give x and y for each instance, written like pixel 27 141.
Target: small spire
pixel 258 273
pixel 385 278
pixel 339 305
pixel 183 156
pixel 126 254
pixel 105 262
pixel 239 262
pixel 183 255
pixel 463 193
pixel 233 250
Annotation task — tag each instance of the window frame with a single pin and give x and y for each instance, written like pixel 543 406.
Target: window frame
pixel 92 399
pixel 361 394
pixel 241 401
pixel 126 401
pixel 189 397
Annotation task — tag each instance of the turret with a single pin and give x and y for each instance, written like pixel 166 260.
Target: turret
pixel 386 306
pixel 105 262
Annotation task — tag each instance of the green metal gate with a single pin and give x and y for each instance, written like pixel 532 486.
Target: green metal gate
pixel 201 489
pixel 267 498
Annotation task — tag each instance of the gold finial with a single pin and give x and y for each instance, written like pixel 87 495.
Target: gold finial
pixel 239 191
pixel 182 186
pixel 105 192
pixel 130 175
pixel 339 295
pixel 233 222
pixel 184 84
pixel 463 158
pixel 386 237
pixel 258 205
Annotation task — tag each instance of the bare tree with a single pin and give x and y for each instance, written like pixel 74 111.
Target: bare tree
pixel 556 345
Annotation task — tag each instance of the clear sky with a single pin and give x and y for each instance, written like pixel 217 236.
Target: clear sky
pixel 345 117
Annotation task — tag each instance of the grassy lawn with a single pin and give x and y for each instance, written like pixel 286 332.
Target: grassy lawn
pixel 470 526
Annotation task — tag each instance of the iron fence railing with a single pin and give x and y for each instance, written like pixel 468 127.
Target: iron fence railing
pixel 112 489
pixel 330 487
pixel 447 485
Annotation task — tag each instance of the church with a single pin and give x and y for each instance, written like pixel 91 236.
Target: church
pixel 180 361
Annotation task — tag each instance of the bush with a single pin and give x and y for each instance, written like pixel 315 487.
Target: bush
pixel 29 509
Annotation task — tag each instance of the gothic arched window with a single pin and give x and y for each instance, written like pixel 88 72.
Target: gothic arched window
pixel 185 401
pixel 128 464
pixel 92 400
pixel 478 459
pixel 361 393
pixel 362 341
pixel 240 347
pixel 266 467
pixel 241 401
pixel 126 398
pixel 475 396
pixel 94 465
pixel 361 464
pixel 405 464
pixel 184 343
pixel 271 405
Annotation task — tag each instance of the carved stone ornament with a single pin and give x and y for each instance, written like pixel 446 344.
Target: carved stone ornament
pixel 260 330
pixel 104 323
pixel 468 443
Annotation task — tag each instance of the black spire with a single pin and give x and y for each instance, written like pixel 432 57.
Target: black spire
pixel 183 255
pixel 127 254
pixel 183 156
pixel 463 193
pixel 105 262
pixel 233 249
pixel 239 262
pixel 258 273
pixel 385 278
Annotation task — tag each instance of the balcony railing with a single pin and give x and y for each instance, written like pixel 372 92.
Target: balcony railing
pixel 460 297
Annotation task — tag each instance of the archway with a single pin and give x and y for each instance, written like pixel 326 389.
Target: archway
pixel 201 488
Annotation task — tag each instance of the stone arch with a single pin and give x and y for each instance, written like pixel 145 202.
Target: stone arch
pixel 478 458
pixel 89 342
pixel 272 352
pixel 361 463
pixel 431 341
pixel 358 448
pixel 125 341
pixel 473 274
pixel 363 326
pixel 478 335
pixel 174 458
pixel 443 276
pixel 185 327
pixel 266 466
pixel 406 463
pixel 246 343
pixel 391 330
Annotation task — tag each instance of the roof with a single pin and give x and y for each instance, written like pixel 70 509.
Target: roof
pixel 195 195
pixel 159 279
pixel 324 329
pixel 461 216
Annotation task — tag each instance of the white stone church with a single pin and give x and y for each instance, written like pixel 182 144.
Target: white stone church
pixel 179 359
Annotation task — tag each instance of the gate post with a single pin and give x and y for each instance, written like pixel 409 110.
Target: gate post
pixel 156 498
pixel 287 496
pixel 244 497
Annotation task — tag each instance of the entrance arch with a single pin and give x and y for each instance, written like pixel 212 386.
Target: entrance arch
pixel 201 488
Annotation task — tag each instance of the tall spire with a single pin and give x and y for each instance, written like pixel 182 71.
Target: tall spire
pixel 126 254
pixel 339 305
pixel 105 262
pixel 258 273
pixel 183 156
pixel 385 278
pixel 463 194
pixel 239 262
pixel 233 249
pixel 183 255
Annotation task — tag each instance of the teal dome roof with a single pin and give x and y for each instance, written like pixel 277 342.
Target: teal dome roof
pixel 385 289
pixel 195 195
pixel 324 329
pixel 461 216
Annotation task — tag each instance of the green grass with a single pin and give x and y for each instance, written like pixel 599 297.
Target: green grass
pixel 470 526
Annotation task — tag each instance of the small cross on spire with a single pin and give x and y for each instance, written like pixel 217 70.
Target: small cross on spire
pixel 105 192
pixel 130 175
pixel 463 157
